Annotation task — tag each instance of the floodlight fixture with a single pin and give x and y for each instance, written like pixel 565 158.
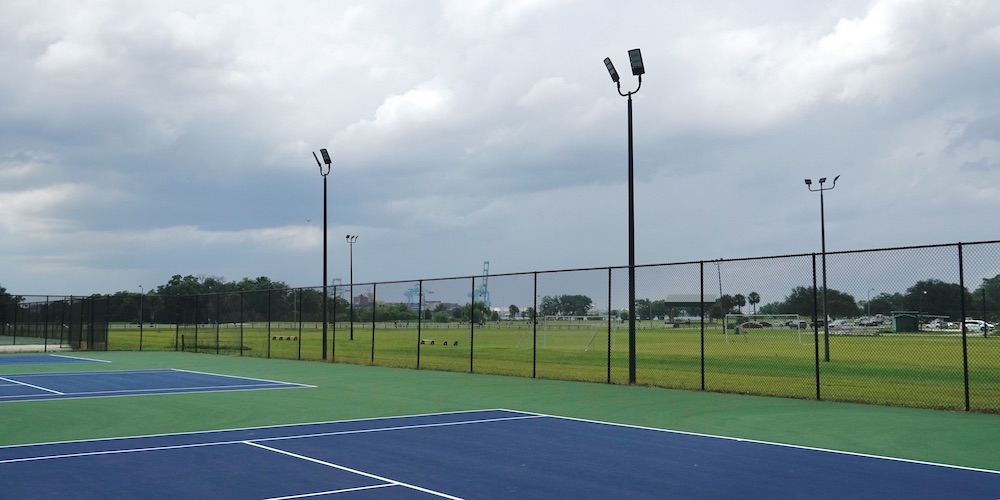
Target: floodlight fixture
pixel 351 238
pixel 822 232
pixel 324 172
pixel 635 58
pixel 611 69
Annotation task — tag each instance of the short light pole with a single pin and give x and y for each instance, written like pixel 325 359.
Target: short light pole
pixel 351 238
pixel 822 229
pixel 635 60
pixel 326 297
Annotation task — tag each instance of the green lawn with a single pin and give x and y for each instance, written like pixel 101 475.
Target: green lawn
pixel 905 370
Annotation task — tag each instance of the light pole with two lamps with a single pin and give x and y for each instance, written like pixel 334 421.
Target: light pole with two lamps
pixel 822 229
pixel 326 296
pixel 351 238
pixel 635 59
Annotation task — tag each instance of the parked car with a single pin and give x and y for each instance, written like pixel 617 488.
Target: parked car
pixel 978 325
pixel 840 323
pixel 937 324
pixel 750 324
pixel 868 322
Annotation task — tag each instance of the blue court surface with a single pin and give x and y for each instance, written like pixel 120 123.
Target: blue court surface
pixel 476 454
pixel 39 386
pixel 35 359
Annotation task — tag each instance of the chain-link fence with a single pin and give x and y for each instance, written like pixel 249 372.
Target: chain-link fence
pixel 53 323
pixel 904 326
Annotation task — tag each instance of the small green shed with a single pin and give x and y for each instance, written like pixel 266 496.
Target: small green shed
pixel 904 322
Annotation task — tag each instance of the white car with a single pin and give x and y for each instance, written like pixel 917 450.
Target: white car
pixel 840 324
pixel 977 325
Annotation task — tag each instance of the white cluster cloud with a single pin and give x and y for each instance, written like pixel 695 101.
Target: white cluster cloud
pixel 138 141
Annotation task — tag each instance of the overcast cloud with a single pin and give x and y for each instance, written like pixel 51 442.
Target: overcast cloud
pixel 139 140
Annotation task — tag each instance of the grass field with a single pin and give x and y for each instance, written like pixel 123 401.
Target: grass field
pixel 895 369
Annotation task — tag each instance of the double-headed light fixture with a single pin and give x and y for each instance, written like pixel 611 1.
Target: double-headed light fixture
pixel 351 238
pixel 635 59
pixel 822 231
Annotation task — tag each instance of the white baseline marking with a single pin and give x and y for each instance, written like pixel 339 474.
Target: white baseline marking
pixel 769 443
pixel 353 471
pixel 240 377
pixel 31 385
pixel 278 426
pixel 78 357
pixel 333 492
pixel 241 441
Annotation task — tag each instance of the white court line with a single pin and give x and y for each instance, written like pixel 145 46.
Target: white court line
pixel 769 443
pixel 334 492
pixel 278 426
pixel 353 471
pixel 241 441
pixel 78 357
pixel 31 385
pixel 156 391
pixel 398 428
pixel 96 373
pixel 240 376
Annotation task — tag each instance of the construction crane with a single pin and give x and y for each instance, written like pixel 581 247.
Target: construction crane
pixel 411 292
pixel 414 291
pixel 482 292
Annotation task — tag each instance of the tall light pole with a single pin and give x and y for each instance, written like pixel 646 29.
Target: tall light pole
pixel 869 304
pixel 822 229
pixel 351 238
pixel 635 60
pixel 142 295
pixel 326 296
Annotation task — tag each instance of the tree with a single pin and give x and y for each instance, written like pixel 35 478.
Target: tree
pixel 477 310
pixel 754 299
pixel 801 302
pixel 725 304
pixel 885 303
pixel 935 297
pixel 565 305
pixel 513 311
pixel 643 309
pixel 739 301
pixel 987 298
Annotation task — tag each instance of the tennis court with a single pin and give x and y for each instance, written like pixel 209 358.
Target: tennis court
pixel 476 454
pixel 43 359
pixel 206 426
pixel 38 386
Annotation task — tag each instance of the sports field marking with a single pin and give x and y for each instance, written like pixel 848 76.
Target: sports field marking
pixel 275 438
pixel 353 471
pixel 533 454
pixel 770 443
pixel 73 385
pixel 25 384
pixel 32 359
pixel 79 358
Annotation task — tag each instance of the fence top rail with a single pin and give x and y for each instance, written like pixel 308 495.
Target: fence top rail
pixel 56 297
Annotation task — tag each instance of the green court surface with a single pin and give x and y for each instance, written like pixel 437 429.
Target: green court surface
pixel 345 391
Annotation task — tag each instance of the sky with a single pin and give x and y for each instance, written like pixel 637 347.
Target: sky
pixel 142 140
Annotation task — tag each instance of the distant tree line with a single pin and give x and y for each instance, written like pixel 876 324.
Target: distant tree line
pixel 207 299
